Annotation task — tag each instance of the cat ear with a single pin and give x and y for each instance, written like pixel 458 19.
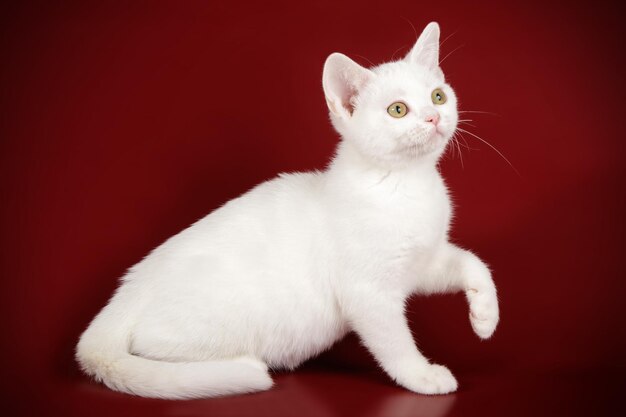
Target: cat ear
pixel 426 49
pixel 342 80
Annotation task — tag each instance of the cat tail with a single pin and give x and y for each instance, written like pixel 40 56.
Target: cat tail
pixel 103 352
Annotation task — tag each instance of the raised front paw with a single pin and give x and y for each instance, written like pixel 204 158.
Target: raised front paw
pixel 433 379
pixel 484 312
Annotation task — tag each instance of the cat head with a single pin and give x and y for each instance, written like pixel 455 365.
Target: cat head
pixel 396 112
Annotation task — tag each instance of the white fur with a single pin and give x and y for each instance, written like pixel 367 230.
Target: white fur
pixel 278 275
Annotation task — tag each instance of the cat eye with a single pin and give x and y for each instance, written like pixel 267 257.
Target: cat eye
pixel 397 109
pixel 438 96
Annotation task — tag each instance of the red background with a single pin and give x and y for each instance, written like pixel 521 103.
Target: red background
pixel 122 123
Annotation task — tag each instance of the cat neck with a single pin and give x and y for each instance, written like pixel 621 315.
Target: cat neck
pixel 349 164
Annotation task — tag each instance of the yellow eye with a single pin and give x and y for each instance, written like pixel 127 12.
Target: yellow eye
pixel 438 96
pixel 397 109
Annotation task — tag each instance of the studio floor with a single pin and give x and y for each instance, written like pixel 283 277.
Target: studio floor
pixel 318 391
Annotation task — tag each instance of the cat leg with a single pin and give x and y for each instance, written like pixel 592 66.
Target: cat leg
pixel 455 269
pixel 380 322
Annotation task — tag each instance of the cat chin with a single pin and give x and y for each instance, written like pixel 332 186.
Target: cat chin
pixel 434 145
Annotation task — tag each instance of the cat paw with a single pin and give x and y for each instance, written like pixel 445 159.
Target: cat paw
pixel 434 379
pixel 484 312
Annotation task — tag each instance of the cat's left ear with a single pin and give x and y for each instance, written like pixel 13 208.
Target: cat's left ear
pixel 425 52
pixel 342 80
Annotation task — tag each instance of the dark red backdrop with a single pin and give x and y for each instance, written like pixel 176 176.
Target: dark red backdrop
pixel 122 123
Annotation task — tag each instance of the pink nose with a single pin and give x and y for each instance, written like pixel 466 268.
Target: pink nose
pixel 433 118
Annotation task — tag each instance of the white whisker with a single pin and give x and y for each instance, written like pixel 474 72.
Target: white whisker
pixel 450 53
pixel 478 111
pixel 466 123
pixel 465 144
pixel 413 27
pixel 492 147
pixel 393 56
pixel 456 141
pixel 447 37
pixel 371 63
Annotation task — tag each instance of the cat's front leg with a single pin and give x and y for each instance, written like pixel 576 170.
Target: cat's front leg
pixel 455 268
pixel 379 320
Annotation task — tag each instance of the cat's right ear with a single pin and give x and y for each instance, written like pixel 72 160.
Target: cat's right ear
pixel 342 80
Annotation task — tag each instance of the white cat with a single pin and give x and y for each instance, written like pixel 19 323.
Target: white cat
pixel 278 275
